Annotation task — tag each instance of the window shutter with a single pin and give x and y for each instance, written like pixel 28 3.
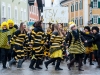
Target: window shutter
pixel 77 21
pixel 71 8
pixel 99 20
pixel 82 20
pixel 92 20
pixel 98 4
pixel 92 4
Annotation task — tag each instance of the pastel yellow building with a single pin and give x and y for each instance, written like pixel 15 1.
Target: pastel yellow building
pixel 83 12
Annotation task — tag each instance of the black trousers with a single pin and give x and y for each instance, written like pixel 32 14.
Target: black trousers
pixel 5 56
pixel 13 53
pixel 0 54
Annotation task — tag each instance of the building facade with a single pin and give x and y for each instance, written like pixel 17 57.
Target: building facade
pixel 83 12
pixel 33 12
pixel 15 10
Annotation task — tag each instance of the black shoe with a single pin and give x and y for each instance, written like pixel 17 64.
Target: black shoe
pixel 58 69
pixel 4 67
pixel 84 62
pixel 53 63
pixel 80 70
pixel 38 67
pixel 91 64
pixel 46 65
pixel 32 68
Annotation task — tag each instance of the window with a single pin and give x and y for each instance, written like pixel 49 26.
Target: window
pixel 9 12
pixel 22 15
pixel 81 5
pixel 72 8
pixel 95 3
pixel 76 6
pixel 37 11
pixel 3 11
pixel 76 21
pixel 16 16
pixel 30 8
pixel 81 20
pixel 95 19
pixel 33 9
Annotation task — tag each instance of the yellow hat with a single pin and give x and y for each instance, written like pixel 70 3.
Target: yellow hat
pixel 71 24
pixel 10 21
pixel 4 24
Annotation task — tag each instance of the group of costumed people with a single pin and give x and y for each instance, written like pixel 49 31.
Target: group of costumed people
pixel 18 44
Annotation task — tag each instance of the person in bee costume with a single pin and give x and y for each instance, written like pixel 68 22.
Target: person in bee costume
pixel 88 46
pixel 55 48
pixel 20 37
pixel 4 43
pixel 12 30
pixel 37 40
pixel 76 46
pixel 47 46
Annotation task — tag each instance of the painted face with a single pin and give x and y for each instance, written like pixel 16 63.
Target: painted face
pixel 10 25
pixel 4 27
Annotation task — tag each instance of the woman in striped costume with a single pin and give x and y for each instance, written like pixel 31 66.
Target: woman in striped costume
pixel 37 40
pixel 75 45
pixel 55 48
pixel 20 37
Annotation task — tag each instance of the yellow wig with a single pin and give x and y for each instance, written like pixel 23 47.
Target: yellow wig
pixel 4 24
pixel 10 21
pixel 71 24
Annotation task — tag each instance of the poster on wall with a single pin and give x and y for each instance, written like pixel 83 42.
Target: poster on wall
pixel 55 14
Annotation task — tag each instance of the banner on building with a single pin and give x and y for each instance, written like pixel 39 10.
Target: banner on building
pixel 55 14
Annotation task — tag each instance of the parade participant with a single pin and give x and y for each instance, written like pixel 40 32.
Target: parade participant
pixel 75 45
pixel 19 38
pixel 96 35
pixel 37 40
pixel 55 48
pixel 88 46
pixel 47 46
pixel 0 49
pixel 12 30
pixel 4 43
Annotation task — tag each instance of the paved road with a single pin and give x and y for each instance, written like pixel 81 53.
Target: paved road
pixel 89 70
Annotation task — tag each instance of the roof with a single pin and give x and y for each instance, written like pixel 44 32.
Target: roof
pixel 64 1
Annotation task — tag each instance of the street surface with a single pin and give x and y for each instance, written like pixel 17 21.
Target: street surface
pixel 89 70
